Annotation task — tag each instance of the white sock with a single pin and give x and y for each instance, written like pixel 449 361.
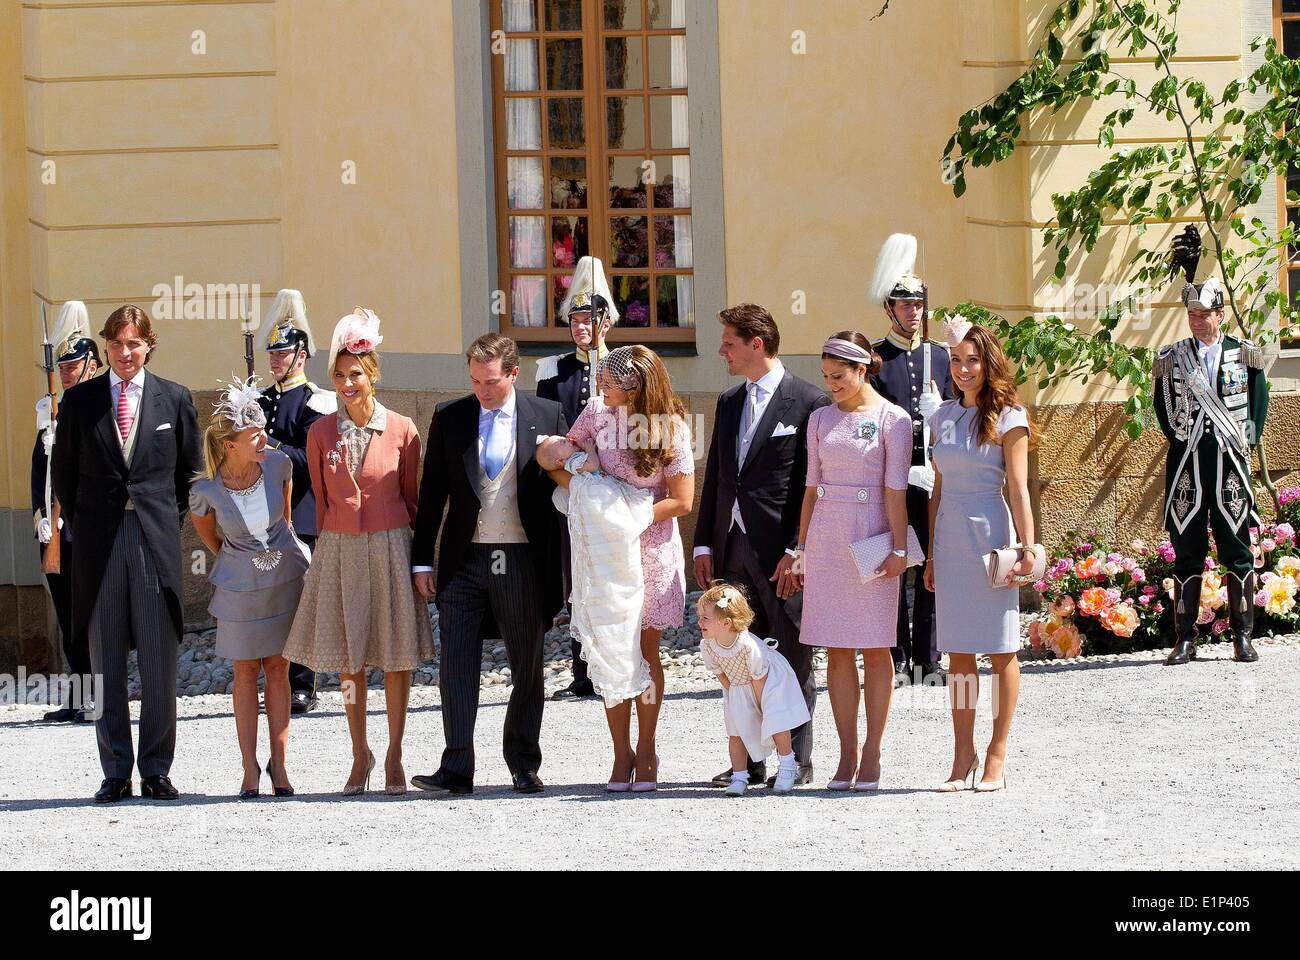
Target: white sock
pixel 740 775
pixel 787 760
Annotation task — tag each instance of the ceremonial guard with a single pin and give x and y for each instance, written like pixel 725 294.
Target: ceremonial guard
pixel 77 359
pixel 914 375
pixel 292 405
pixel 1211 398
pixel 570 380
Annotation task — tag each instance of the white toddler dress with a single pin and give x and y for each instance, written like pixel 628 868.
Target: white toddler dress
pixel 783 707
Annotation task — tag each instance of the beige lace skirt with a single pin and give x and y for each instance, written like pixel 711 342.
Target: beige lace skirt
pixel 358 607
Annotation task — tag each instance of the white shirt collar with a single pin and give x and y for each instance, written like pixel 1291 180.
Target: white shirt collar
pixel 507 408
pixel 137 381
pixel 378 419
pixel 1203 348
pixel 769 381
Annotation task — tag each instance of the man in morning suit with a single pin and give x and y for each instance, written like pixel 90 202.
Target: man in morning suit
pixel 754 479
pixel 127 448
pixel 500 541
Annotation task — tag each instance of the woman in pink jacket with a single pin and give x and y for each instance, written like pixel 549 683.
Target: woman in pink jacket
pixel 358 607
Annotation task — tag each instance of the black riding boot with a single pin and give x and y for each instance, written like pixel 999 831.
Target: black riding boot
pixel 1187 606
pixel 1241 616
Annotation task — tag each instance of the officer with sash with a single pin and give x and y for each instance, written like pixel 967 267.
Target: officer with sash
pixel 77 357
pixel 915 375
pixel 570 379
pixel 292 404
pixel 1211 398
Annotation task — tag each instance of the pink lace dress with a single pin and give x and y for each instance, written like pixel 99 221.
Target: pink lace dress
pixel 663 561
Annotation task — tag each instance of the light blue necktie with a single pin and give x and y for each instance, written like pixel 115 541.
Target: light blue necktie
pixel 496 447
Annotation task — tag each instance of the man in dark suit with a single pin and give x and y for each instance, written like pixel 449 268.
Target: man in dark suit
pixel 78 360
pixel 754 481
pixel 497 561
pixel 127 449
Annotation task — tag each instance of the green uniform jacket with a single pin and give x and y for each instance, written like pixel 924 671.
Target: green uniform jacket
pixel 1205 468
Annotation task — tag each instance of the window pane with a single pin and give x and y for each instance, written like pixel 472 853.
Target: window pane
pixel 676 302
pixel 1291 6
pixel 667 14
pixel 1293 287
pixel 528 301
pixel 568 241
pixel 673 242
pixel 527 242
pixel 521 65
pixel 673 182
pixel 523 124
pixel 670 123
pixel 625 186
pixel 524 182
pixel 622 14
pixel 563 14
pixel 565 123
pixel 563 64
pixel 623 68
pixel 632 294
pixel 629 246
pixel 1293 221
pixel 519 16
pixel 568 182
pixel 667 63
pixel 625 120
pixel 1291 38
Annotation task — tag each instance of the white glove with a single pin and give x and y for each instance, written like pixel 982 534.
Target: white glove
pixel 44 532
pixel 47 438
pixel 928 403
pixel 922 477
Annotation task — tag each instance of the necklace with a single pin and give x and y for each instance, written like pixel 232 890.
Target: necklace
pixel 234 486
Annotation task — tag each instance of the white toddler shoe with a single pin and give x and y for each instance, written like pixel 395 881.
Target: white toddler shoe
pixel 786 772
pixel 739 783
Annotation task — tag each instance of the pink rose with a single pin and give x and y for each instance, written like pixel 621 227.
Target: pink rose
pixel 1159 608
pixel 1269 546
pixel 1166 552
pixel 1285 533
pixel 1139 575
pixel 1064 607
pixel 1144 599
pixel 359 332
pixel 1261 598
pixel 1220 625
pixel 1149 591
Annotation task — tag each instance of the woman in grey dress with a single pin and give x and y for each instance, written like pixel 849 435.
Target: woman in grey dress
pixel 981 444
pixel 240 510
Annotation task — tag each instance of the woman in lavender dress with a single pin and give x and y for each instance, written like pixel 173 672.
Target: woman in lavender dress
pixel 859 452
pixel 981 444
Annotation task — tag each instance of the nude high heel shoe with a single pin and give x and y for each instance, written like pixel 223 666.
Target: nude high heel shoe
pixel 352 790
pixel 955 786
pixel 992 786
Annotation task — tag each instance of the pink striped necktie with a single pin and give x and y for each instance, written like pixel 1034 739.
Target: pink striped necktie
pixel 125 418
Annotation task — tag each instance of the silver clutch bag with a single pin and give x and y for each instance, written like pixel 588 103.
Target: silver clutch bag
pixel 999 564
pixel 870 552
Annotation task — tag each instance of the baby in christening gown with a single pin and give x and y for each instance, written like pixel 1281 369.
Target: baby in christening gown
pixel 606 519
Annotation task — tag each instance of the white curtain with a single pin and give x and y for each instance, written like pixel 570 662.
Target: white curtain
pixel 685 253
pixel 519 16
pixel 523 115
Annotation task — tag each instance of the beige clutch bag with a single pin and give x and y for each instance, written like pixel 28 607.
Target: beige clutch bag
pixel 999 564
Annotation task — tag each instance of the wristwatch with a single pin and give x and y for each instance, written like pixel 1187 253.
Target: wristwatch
pixel 901 553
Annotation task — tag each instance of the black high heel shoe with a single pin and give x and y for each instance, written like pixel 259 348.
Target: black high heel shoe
pixel 279 791
pixel 255 792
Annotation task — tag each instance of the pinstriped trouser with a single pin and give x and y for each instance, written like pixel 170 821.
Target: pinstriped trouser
pixel 500 577
pixel 131 606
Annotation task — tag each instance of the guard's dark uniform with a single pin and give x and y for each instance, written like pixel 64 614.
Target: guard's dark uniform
pixel 570 380
pixel 1212 419
pixel 290 411
pixel 901 382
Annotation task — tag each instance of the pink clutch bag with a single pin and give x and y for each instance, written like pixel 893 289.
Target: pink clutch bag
pixel 999 564
pixel 871 552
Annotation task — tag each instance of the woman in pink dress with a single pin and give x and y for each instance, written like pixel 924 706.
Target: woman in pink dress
pixel 639 428
pixel 859 452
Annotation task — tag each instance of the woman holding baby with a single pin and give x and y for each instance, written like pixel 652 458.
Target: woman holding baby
pixel 637 430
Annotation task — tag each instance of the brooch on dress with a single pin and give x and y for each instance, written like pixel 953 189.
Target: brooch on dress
pixel 867 431
pixel 267 560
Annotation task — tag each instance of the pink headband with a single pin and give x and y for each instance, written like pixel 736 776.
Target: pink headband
pixel 847 350
pixel 955 330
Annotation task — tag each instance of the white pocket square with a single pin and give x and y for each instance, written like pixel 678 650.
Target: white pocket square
pixel 162 426
pixel 784 431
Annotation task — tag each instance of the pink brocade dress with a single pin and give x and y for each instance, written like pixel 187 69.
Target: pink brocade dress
pixel 852 458
pixel 663 561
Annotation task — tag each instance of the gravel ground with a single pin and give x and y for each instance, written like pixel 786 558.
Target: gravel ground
pixel 1115 763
